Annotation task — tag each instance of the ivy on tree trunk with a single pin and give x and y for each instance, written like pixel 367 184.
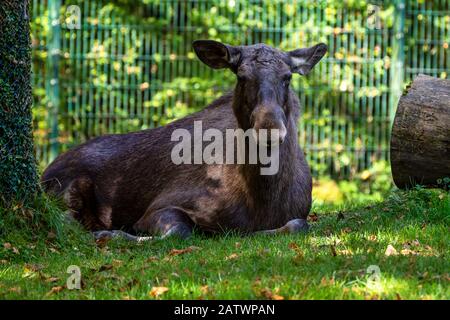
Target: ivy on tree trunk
pixel 18 175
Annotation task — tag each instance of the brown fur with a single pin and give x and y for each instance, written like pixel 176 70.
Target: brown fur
pixel 128 181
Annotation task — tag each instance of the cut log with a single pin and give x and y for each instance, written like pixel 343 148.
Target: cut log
pixel 420 139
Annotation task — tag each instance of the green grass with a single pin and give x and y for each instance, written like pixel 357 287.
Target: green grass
pixel 328 263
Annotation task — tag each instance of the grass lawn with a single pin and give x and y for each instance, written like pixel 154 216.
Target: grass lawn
pixel 406 237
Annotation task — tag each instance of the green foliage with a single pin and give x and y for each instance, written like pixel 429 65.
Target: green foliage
pixel 39 225
pixel 18 178
pixel 370 185
pixel 131 66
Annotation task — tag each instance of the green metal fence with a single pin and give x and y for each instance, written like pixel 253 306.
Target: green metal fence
pixel 129 65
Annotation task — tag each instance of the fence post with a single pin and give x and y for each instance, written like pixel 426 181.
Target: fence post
pixel 54 51
pixel 398 57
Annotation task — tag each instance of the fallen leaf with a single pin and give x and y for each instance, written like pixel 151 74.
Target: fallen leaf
pixel 52 279
pixel 152 259
pixel 237 245
pixel 8 246
pixel 117 263
pixel 372 238
pixel 176 252
pixel 313 217
pixel 55 290
pixel 204 289
pixel 268 294
pixel 347 230
pixel 406 252
pixel 102 242
pixel 326 282
pixel 3 261
pixel 390 251
pixel 15 289
pixel 157 291
pixel 232 256
pixel 105 267
pixel 297 249
pixel 345 252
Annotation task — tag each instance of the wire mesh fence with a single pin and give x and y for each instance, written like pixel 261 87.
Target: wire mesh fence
pixel 119 66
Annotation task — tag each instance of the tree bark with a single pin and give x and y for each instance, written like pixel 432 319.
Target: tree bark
pixel 18 176
pixel 420 139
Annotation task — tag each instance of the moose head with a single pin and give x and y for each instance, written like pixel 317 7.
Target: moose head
pixel 262 92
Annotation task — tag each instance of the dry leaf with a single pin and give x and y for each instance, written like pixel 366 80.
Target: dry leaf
pixel 152 259
pixel 406 252
pixel 176 252
pixel 55 290
pixel 313 217
pixel 102 242
pixel 237 245
pixel 346 252
pixel 105 267
pixel 347 230
pixel 372 238
pixel 390 251
pixel 51 279
pixel 268 294
pixel 157 291
pixel 7 245
pixel 117 263
pixel 204 289
pixel 232 256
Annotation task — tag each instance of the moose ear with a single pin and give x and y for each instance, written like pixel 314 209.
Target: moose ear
pixel 303 60
pixel 215 54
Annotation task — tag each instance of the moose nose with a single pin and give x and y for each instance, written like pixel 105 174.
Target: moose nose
pixel 269 127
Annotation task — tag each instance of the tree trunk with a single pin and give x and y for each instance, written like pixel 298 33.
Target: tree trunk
pixel 18 176
pixel 420 140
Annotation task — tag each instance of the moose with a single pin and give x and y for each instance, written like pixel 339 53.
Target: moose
pixel 126 184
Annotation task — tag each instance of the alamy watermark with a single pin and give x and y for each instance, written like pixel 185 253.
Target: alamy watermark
pixel 74 280
pixel 262 146
pixel 73 17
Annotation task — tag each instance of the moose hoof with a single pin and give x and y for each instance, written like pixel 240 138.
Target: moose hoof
pixel 297 225
pixel 103 234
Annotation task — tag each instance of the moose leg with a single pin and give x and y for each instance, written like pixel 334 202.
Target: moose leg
pixel 166 222
pixel 293 226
